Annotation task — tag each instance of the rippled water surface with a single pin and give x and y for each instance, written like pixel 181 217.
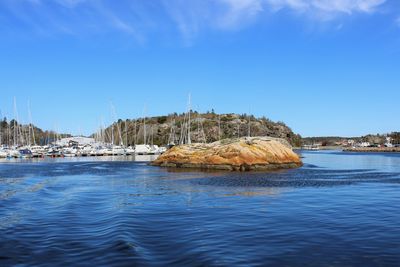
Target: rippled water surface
pixel 340 209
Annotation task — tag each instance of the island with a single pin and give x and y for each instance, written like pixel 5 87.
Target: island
pixel 238 154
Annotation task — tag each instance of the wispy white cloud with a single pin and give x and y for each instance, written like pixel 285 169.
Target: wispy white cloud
pixel 194 16
pixel 116 20
pixel 238 12
pixel 327 8
pixel 235 14
pixel 190 17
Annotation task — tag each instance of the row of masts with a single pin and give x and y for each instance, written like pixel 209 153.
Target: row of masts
pixel 185 135
pixel 108 135
pixel 16 133
pixel 24 135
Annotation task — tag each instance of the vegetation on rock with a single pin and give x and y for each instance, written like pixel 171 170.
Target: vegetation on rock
pixel 204 128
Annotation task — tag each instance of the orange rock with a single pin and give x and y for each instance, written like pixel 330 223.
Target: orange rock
pixel 254 153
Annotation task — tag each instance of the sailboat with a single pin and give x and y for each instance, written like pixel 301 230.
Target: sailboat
pixel 13 151
pixel 3 153
pixel 143 149
pixel 118 150
pixel 186 126
pixel 172 135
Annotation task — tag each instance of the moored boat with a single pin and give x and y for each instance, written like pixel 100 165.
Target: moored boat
pixel 25 153
pixel 3 153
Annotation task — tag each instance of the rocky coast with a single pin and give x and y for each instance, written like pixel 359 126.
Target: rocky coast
pixel 239 154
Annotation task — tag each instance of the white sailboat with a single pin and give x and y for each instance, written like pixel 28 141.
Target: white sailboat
pixel 186 126
pixel 143 149
pixel 3 153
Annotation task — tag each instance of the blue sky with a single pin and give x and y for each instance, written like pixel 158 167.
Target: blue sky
pixel 323 67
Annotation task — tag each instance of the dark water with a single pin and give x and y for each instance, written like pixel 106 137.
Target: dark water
pixel 340 209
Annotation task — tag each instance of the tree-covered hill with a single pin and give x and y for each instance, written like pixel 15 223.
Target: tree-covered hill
pixel 206 127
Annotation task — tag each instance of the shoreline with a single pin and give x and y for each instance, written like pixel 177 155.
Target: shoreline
pixel 373 149
pixel 230 167
pixel 356 149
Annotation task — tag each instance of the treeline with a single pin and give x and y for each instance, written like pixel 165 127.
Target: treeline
pixel 13 133
pixel 206 127
pixel 381 138
pixel 370 138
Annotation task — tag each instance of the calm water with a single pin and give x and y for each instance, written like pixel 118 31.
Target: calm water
pixel 340 209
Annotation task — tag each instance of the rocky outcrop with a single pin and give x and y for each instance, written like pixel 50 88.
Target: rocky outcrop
pixel 244 154
pixel 208 126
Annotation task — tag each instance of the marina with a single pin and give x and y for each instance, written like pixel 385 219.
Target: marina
pixel 226 133
pixel 89 150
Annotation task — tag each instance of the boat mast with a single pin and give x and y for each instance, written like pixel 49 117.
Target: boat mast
pixel 171 139
pixel 112 135
pixel 103 131
pixel 126 132
pixel 189 141
pixel 249 132
pixel 219 127
pixel 31 125
pixel 152 136
pixel 121 141
pixel 15 126
pixel 1 128
pixel 114 113
pixel 9 134
pixel 144 125
pixel 134 132
pixel 183 130
pixel 19 133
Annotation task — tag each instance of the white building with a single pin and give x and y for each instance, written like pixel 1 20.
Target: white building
pixel 364 144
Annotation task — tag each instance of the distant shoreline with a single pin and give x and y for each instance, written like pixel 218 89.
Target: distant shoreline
pixel 372 149
pixel 321 148
pixel 356 149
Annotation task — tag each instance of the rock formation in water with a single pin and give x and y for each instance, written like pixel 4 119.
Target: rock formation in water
pixel 244 154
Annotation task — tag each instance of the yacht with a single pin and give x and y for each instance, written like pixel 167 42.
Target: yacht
pixel 3 153
pixel 130 151
pixel 85 151
pixel 118 150
pixel 108 151
pixel 142 150
pixel 70 152
pixel 154 150
pixel 25 153
pixel 54 152
pixel 311 147
pixel 13 153
pixel 37 151
pixel 101 151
